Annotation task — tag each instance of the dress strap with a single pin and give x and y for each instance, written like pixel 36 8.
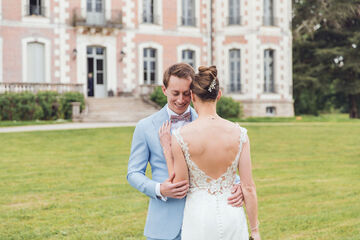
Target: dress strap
pixel 242 139
pixel 183 145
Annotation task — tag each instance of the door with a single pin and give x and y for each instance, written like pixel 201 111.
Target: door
pixel 96 78
pixel 95 14
pixel 36 62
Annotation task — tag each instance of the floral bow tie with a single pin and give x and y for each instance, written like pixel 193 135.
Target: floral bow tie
pixel 185 117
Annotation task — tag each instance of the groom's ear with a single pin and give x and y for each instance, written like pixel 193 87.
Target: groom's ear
pixel 163 88
pixel 192 96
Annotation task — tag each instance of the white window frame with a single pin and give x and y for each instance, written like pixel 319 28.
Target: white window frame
pixel 190 61
pixel 276 69
pixel 191 47
pixel 35 19
pixel 268 113
pixel 1 58
pixel 159 62
pixel 148 11
pixel 0 9
pixel 149 59
pixel 192 29
pixel 150 27
pixel 274 13
pixel 242 48
pixel 107 9
pixel 228 12
pixel 47 59
pixel 239 70
pixel 273 72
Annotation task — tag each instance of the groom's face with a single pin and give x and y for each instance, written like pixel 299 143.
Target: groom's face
pixel 178 94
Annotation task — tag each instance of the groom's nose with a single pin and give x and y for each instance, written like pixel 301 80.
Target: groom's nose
pixel 181 98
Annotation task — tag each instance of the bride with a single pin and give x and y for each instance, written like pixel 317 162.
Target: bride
pixel 208 152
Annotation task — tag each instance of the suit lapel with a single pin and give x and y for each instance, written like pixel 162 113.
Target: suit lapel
pixel 160 118
pixel 194 115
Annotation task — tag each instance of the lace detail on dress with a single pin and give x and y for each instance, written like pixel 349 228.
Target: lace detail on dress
pixel 198 178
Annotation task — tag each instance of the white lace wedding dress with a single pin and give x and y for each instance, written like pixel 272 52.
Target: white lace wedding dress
pixel 207 214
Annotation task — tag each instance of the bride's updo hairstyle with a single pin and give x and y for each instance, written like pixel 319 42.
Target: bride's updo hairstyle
pixel 206 83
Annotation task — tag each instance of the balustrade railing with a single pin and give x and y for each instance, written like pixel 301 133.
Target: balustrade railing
pixel 16 87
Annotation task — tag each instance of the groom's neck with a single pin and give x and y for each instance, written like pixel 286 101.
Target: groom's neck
pixel 179 113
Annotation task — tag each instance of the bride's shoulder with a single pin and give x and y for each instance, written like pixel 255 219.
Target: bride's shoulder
pixel 189 127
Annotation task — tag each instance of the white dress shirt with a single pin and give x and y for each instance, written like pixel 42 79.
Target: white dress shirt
pixel 173 127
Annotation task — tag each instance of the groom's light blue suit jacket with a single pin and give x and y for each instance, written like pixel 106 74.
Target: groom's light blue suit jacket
pixel 164 219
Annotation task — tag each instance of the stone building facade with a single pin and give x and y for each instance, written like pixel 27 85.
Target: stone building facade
pixel 121 47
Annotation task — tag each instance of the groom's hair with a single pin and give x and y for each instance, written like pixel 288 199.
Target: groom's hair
pixel 180 70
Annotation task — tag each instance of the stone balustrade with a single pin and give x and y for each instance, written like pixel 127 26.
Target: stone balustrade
pixel 17 87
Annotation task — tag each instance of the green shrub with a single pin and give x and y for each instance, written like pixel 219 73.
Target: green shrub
pixel 158 97
pixel 49 102
pixel 67 99
pixel 44 105
pixel 228 108
pixel 19 106
pixel 27 107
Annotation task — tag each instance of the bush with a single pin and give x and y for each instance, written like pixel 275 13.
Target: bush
pixel 158 97
pixel 49 102
pixel 44 105
pixel 228 108
pixel 19 106
pixel 67 99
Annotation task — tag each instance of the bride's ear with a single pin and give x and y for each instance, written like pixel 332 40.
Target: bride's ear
pixel 219 95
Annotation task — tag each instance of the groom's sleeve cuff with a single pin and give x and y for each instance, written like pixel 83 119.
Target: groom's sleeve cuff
pixel 158 193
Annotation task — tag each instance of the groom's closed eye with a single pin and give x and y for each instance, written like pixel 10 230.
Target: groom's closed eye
pixel 176 93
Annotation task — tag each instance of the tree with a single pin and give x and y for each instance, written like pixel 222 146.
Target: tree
pixel 325 55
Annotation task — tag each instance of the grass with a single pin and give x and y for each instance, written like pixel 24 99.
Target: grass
pixel 333 117
pixel 27 123
pixel 72 184
pixel 338 117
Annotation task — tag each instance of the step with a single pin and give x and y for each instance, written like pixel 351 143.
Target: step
pixel 117 109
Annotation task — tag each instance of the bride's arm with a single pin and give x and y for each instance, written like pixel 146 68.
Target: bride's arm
pixel 173 154
pixel 180 167
pixel 165 141
pixel 249 189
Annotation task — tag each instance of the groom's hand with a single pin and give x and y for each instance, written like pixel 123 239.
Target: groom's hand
pixel 174 190
pixel 237 198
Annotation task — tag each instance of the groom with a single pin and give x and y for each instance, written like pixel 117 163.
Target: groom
pixel 167 200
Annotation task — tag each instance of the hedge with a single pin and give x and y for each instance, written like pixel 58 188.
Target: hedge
pixel 45 105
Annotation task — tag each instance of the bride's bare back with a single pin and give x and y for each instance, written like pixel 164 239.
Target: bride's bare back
pixel 213 144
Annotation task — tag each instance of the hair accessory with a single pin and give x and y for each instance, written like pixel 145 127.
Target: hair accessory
pixel 212 85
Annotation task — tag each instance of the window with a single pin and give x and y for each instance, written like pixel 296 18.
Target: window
pixel 269 85
pixel 268 13
pixel 148 11
pixel 188 13
pixel 95 14
pixel 270 111
pixel 35 7
pixel 149 65
pixel 36 62
pixel 188 56
pixel 235 70
pixel 234 12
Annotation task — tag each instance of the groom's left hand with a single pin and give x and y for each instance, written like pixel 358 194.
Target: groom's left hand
pixel 237 197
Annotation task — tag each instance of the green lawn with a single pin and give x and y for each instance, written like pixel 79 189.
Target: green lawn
pixel 27 123
pixel 72 184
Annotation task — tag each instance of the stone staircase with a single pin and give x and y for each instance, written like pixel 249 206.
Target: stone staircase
pixel 117 109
